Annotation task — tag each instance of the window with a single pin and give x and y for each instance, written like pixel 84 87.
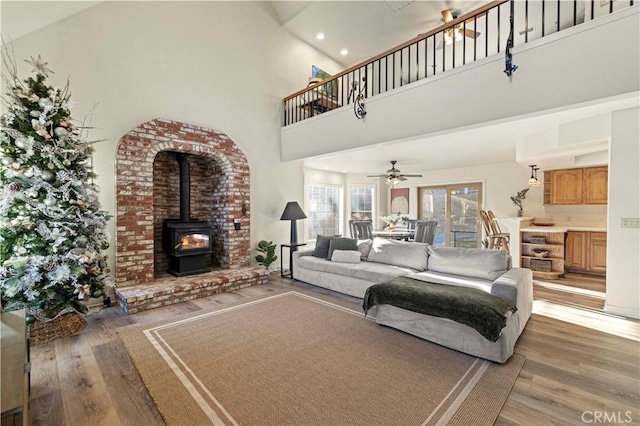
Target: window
pixel 455 208
pixel 361 203
pixel 323 210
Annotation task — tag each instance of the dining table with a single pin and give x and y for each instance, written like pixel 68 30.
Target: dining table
pixel 395 234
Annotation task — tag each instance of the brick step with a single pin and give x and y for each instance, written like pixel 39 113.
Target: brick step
pixel 169 290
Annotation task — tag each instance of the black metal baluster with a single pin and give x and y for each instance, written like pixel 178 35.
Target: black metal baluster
pixel 498 28
pixel 444 47
pixel 475 39
pixel 379 75
pixel 610 6
pixel 558 23
pixel 526 21
pixel 592 1
pixel 464 42
pixel 486 35
pixel 409 65
pixel 366 79
pixel 453 48
pixel 426 59
pixel 393 81
pixel 434 54
pixel 417 62
pixel 543 2
pixel 401 70
pixel 575 12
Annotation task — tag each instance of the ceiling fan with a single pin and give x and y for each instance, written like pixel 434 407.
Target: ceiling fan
pixel 455 33
pixel 393 175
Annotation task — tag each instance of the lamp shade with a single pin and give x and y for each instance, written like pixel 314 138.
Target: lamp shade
pixel 293 211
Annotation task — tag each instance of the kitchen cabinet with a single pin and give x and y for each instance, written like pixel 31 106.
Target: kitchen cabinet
pixel 576 186
pixel 586 252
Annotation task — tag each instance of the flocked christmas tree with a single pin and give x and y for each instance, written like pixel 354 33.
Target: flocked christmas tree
pixel 52 231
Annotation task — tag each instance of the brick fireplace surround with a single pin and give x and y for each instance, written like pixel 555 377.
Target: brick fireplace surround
pixel 147 193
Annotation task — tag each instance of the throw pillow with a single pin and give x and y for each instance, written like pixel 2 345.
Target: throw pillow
pixel 364 247
pixel 399 253
pixel 345 256
pixel 322 246
pixel 337 243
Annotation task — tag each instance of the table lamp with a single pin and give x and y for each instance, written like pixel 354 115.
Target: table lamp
pixel 293 212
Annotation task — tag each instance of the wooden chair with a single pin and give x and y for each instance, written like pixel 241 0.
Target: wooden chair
pixel 497 239
pixel 425 231
pixel 361 229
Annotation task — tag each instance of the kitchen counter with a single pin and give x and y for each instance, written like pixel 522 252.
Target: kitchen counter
pixel 562 228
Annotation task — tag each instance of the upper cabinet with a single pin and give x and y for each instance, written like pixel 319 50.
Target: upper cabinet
pixel 576 186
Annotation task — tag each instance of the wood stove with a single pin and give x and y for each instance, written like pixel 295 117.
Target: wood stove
pixel 187 241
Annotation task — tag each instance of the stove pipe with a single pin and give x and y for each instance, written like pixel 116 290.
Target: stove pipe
pixel 185 187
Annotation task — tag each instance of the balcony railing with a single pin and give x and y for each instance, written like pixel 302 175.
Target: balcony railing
pixel 479 34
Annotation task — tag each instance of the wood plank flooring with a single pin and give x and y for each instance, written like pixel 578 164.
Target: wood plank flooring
pixel 580 363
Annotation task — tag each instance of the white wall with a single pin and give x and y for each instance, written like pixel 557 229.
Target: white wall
pixel 623 244
pixel 222 65
pixel 591 61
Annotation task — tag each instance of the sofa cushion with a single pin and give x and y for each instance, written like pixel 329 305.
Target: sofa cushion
pixel 337 243
pixel 367 271
pixel 469 262
pixel 322 246
pixel 364 247
pixel 449 279
pixel 346 256
pixel 399 253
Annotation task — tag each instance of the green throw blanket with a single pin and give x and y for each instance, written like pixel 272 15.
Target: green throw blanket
pixel 475 308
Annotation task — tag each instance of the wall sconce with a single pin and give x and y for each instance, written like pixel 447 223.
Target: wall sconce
pixel 237 224
pixel 533 180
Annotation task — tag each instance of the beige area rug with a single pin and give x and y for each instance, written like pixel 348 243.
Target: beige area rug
pixel 309 359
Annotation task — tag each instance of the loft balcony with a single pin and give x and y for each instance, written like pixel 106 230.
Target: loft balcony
pixel 463 74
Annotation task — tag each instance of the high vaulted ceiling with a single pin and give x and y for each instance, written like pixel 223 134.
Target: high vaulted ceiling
pixel 364 28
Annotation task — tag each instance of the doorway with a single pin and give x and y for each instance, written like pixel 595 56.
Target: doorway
pixel 455 208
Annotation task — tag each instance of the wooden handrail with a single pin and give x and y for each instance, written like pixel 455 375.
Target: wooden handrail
pixel 416 39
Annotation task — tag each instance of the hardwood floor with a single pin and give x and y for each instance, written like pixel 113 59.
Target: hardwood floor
pixel 582 364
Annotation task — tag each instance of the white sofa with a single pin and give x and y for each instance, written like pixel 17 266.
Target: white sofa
pixel 383 260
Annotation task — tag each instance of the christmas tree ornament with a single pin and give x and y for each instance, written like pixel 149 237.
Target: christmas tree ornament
pixel 39 66
pixel 22 143
pixel 50 165
pixel 47 175
pixel 50 201
pixel 45 103
pixel 6 161
pixel 13 186
pixel 60 132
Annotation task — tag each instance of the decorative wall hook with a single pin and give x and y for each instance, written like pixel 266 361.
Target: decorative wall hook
pixel 358 101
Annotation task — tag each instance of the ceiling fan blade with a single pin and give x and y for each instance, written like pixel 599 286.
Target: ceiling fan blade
pixel 471 34
pixel 447 15
pixel 378 176
pixel 404 175
pixel 402 178
pixel 478 16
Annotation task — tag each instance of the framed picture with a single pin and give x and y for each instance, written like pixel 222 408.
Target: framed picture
pixel 400 200
pixel 330 88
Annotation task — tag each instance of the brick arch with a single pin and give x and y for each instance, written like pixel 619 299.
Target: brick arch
pixel 135 191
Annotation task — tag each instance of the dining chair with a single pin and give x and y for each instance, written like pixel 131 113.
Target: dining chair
pixel 361 229
pixel 425 231
pixel 497 239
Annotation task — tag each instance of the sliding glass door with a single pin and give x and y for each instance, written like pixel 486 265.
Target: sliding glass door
pixel 455 208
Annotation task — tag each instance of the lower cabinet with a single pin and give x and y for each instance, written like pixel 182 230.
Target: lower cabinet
pixel 586 252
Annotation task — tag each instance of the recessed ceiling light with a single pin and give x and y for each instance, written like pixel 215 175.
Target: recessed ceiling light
pixel 344 171
pixel 320 36
pixel 344 52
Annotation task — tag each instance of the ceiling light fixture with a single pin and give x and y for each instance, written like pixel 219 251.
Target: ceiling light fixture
pixel 344 52
pixel 320 36
pixel 533 180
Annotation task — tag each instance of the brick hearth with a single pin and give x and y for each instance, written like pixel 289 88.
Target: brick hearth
pixel 146 194
pixel 169 289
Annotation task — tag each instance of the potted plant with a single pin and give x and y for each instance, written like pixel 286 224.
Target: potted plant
pixel 517 200
pixel 267 253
